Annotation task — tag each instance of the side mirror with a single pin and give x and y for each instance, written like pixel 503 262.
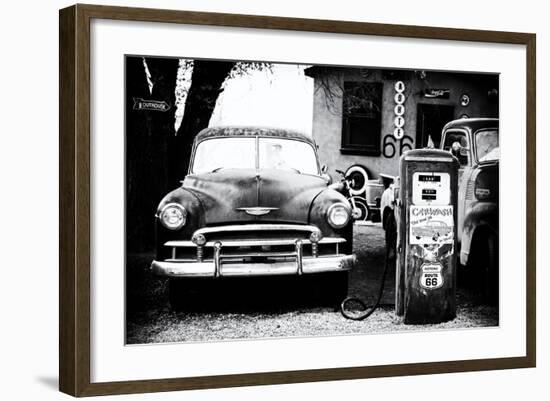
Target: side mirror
pixel 458 150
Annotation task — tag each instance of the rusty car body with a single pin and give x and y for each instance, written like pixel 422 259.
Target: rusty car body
pixel 475 143
pixel 254 203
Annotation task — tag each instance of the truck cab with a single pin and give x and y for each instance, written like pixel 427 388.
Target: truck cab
pixel 475 143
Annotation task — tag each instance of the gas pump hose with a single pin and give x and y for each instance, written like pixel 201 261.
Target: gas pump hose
pixel 367 311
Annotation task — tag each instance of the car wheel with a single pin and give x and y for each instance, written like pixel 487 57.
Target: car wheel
pixel 359 176
pixel 178 294
pixel 361 210
pixel 482 270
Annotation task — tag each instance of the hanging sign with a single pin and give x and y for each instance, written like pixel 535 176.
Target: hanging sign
pixel 464 100
pixel 399 110
pixel 399 98
pixel 399 86
pixel 399 121
pixel 151 105
pixel 437 93
pixel 398 133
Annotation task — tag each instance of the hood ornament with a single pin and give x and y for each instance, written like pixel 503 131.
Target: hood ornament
pixel 257 210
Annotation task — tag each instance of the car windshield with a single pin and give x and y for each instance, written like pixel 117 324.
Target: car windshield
pixel 487 145
pixel 237 152
pixel 285 154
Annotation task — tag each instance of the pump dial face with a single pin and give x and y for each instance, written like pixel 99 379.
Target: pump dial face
pixel 431 188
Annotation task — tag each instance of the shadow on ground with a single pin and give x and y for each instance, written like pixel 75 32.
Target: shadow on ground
pixel 233 308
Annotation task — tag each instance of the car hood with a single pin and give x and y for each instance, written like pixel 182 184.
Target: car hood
pixel 248 195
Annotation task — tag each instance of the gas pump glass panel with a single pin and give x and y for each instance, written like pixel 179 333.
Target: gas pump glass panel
pixel 431 188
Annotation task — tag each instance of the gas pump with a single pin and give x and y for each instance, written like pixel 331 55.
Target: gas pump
pixel 427 242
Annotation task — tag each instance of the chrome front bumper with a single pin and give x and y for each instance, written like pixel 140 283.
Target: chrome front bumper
pixel 253 257
pixel 212 269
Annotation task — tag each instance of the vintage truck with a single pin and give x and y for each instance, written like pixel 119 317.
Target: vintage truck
pixel 475 143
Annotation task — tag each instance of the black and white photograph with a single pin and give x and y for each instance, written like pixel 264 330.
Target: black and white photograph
pixel 278 200
pixel 266 200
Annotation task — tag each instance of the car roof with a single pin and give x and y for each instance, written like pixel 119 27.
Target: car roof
pixel 212 132
pixel 472 124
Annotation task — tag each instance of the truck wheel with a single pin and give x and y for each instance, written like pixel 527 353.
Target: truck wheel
pixel 491 290
pixel 481 273
pixel 178 294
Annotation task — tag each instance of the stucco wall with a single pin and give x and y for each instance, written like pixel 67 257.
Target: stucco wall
pixel 327 120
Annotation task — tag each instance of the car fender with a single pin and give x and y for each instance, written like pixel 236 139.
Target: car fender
pixel 480 216
pixel 387 204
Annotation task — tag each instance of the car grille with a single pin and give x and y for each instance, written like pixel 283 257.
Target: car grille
pixel 265 243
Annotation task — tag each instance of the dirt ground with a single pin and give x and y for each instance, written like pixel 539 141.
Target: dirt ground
pixel 278 307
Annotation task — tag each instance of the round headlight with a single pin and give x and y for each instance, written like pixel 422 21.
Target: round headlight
pixel 173 216
pixel 338 215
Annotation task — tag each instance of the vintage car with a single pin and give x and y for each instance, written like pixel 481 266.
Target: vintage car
pixel 255 202
pixel 475 143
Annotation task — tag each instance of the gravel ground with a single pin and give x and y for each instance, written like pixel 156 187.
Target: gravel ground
pixel 277 307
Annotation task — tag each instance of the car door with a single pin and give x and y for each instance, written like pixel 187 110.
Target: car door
pixel 465 160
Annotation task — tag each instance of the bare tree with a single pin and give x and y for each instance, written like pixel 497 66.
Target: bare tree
pixel 357 97
pixel 207 83
pixel 157 156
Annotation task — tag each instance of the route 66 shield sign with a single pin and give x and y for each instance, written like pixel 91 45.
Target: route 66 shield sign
pixel 431 277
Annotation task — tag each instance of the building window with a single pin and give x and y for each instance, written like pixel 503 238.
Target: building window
pixel 361 118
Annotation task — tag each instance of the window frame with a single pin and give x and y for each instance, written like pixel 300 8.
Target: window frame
pixel 468 144
pixel 346 146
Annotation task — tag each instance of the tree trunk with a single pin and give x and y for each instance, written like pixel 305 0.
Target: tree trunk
pixel 206 86
pixel 156 158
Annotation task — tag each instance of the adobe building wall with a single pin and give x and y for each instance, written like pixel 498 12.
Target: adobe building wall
pixel 482 90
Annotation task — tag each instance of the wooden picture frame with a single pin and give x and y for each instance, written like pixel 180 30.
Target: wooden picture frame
pixel 74 203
